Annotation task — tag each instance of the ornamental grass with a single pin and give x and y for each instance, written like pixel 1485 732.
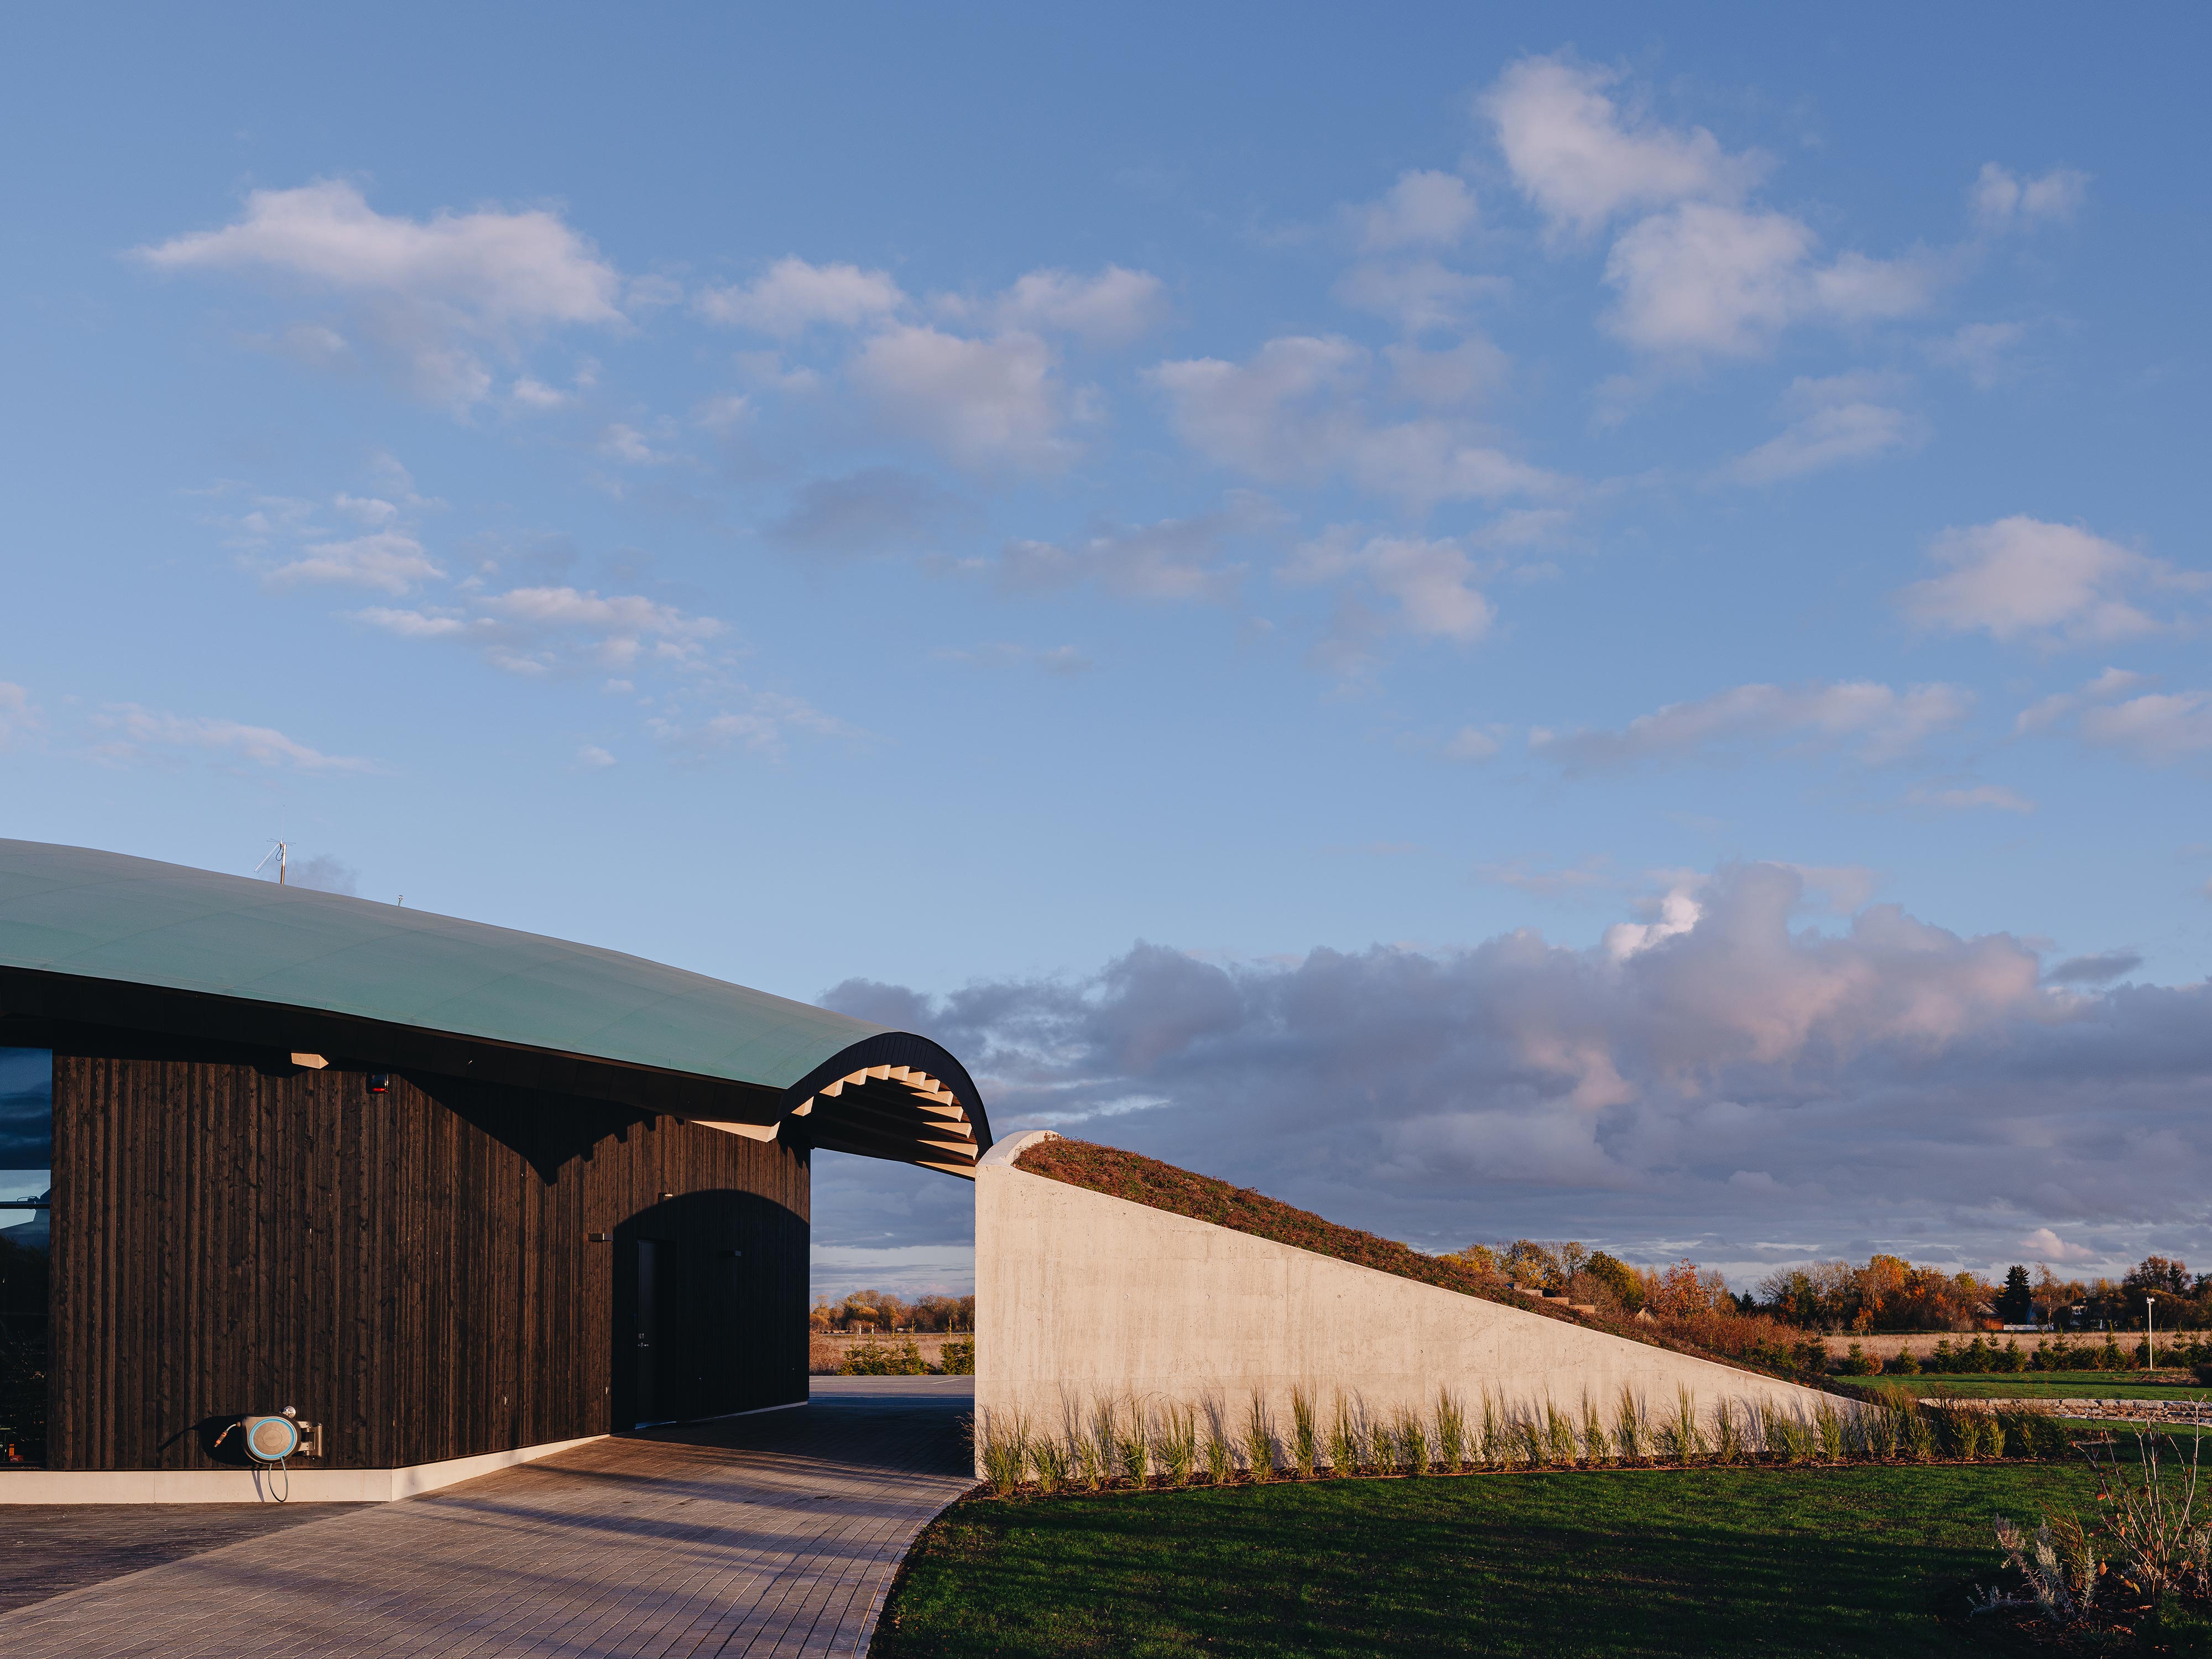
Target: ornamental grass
pixel 1128 1444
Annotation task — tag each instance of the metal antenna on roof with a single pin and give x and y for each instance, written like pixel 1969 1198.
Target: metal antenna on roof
pixel 278 852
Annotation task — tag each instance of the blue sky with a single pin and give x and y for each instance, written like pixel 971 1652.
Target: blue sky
pixel 1683 536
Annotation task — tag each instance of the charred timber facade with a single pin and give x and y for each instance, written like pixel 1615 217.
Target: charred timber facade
pixel 416 1270
pixel 453 1192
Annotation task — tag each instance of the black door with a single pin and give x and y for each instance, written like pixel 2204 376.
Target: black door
pixel 647 1395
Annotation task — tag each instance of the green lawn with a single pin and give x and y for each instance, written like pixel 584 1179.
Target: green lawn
pixel 2052 1385
pixel 1845 1560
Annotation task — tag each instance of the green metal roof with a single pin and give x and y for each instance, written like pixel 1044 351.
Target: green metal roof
pixel 103 915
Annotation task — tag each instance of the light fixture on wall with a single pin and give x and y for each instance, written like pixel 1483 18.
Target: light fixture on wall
pixel 380 1083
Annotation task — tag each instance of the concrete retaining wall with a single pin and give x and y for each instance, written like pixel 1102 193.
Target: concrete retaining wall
pixel 1080 1296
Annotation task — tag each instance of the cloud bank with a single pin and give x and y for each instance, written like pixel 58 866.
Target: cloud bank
pixel 1718 1079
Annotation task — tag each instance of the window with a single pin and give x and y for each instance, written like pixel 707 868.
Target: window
pixel 27 1144
pixel 27 1157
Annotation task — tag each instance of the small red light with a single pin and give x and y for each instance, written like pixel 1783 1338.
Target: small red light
pixel 380 1082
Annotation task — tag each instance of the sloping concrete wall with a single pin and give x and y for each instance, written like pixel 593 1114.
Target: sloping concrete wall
pixel 1080 1296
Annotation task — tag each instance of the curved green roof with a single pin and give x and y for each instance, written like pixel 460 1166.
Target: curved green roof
pixel 103 915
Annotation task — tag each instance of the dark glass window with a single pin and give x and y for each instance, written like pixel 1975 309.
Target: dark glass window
pixel 27 1141
pixel 27 1159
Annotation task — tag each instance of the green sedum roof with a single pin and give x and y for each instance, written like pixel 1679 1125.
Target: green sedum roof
pixel 103 915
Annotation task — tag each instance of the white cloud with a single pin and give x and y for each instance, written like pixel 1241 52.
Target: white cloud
pixel 621 442
pixel 1112 307
pixel 1982 350
pixel 1474 743
pixel 986 405
pixel 434 291
pixel 1581 159
pixel 1674 914
pixel 2024 578
pixel 1971 798
pixel 1172 559
pixel 1293 411
pixel 2044 1245
pixel 135 730
pixel 2001 200
pixel 19 714
pixel 762 725
pixel 2159 726
pixel 1842 422
pixel 1423 209
pixel 1885 724
pixel 1419 296
pixel 535 631
pixel 1421 463
pixel 2108 687
pixel 1451 378
pixel 1700 272
pixel 390 560
pixel 1705 277
pixel 592 755
pixel 1275 417
pixel 536 395
pixel 1431 583
pixel 792 295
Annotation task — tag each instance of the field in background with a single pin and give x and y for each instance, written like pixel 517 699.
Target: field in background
pixel 2054 1385
pixel 1846 1560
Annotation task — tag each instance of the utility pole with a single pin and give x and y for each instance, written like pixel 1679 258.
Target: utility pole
pixel 2150 1333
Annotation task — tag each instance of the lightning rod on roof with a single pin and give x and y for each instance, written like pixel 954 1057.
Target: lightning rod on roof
pixel 279 852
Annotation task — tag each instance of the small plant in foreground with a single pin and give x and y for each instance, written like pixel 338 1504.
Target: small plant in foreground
pixel 1685 1444
pixel 1090 1463
pixel 1828 1426
pixel 1789 1439
pixel 1631 1432
pixel 1132 1447
pixel 1346 1453
pixel 2152 1514
pixel 1177 1444
pixel 1494 1451
pixel 1104 1437
pixel 1382 1442
pixel 2058 1566
pixel 1728 1435
pixel 1883 1426
pixel 1049 1457
pixel 1259 1444
pixel 1305 1436
pixel 1597 1444
pixel 1413 1443
pixel 1561 1440
pixel 1220 1461
pixel 1003 1443
pixel 1451 1432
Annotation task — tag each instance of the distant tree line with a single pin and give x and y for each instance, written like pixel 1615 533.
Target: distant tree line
pixel 870 1311
pixel 1887 1293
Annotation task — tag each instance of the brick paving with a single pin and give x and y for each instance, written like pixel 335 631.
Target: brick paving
pixel 770 1535
pixel 46 1549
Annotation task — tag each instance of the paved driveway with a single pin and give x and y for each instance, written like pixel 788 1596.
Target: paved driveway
pixel 775 1535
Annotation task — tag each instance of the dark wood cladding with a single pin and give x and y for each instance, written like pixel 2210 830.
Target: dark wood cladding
pixel 412 1270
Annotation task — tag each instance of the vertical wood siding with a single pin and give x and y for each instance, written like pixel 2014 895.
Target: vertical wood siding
pixel 412 1270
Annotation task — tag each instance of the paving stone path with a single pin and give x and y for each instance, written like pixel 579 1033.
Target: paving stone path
pixel 769 1535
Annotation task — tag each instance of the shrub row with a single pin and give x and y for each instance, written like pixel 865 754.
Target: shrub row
pixel 954 1359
